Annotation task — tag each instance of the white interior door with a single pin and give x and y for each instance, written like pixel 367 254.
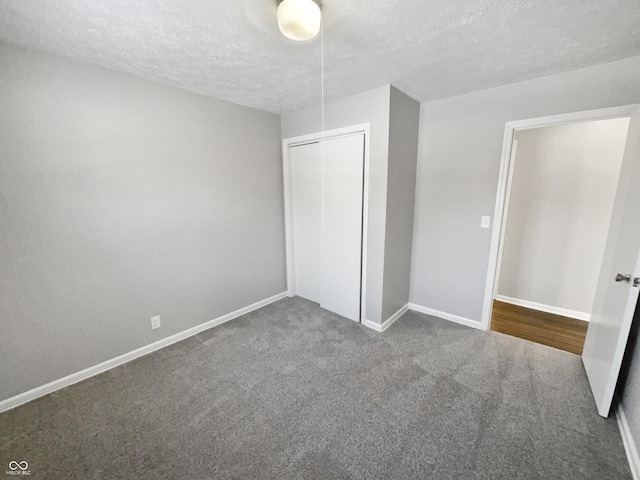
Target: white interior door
pixel 327 195
pixel 342 239
pixel 306 172
pixel 616 299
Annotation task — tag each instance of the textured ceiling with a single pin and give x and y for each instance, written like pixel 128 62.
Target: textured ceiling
pixel 231 49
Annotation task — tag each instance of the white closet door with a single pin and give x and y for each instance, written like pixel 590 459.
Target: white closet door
pixel 306 175
pixel 327 222
pixel 342 239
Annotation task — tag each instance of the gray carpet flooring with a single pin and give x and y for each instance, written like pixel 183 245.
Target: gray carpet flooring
pixel 294 392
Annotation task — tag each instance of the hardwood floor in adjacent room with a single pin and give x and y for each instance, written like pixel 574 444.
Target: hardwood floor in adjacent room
pixel 546 328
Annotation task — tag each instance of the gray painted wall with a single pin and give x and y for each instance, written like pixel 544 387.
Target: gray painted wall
pixel 121 199
pixel 404 116
pixel 458 165
pixel 564 183
pixel 368 107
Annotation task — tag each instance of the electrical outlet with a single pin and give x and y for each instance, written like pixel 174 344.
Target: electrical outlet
pixel 485 222
pixel 155 322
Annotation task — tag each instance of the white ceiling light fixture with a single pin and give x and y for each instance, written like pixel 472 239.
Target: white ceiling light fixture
pixel 299 19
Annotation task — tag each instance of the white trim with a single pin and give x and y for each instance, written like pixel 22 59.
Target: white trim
pixel 372 325
pixel 505 214
pixel 629 444
pixel 365 222
pixel 387 323
pixel 444 315
pixel 545 308
pixel 288 219
pixel 50 387
pixel 287 143
pixel 505 167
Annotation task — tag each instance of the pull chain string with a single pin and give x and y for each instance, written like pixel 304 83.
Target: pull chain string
pixel 322 142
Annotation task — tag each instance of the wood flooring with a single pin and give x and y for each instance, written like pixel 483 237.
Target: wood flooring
pixel 546 328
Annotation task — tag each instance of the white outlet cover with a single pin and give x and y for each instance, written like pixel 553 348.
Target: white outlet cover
pixel 155 322
pixel 485 222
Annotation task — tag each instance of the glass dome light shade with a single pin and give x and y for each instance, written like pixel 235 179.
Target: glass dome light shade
pixel 299 19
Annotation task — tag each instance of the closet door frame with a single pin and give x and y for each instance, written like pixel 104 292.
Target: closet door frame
pixel 287 144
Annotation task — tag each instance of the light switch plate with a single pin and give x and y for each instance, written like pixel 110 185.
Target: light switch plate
pixel 485 222
pixel 155 322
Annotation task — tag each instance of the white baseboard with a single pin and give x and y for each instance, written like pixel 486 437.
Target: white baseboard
pixel 372 325
pixel 381 327
pixel 629 444
pixel 545 308
pixel 447 316
pixel 50 387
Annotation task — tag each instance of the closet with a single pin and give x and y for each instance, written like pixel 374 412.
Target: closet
pixel 327 184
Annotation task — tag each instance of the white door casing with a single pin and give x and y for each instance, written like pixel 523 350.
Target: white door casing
pixel 506 169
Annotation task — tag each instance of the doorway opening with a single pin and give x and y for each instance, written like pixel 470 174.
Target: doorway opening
pixel 560 194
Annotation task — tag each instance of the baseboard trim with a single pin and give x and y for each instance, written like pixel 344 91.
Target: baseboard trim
pixel 381 327
pixel 446 316
pixel 372 325
pixel 51 387
pixel 629 444
pixel 545 308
